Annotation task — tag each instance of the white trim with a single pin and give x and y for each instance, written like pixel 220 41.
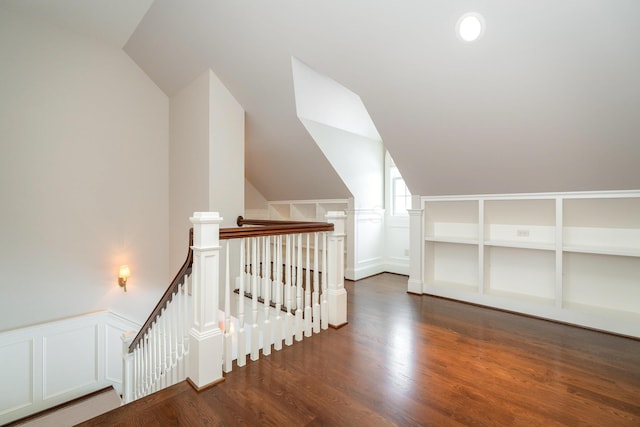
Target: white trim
pixel 533 196
pixel 103 348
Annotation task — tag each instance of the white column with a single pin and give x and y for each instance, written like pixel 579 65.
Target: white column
pixel 352 245
pixel 416 246
pixel 205 353
pixel 337 295
pixel 127 367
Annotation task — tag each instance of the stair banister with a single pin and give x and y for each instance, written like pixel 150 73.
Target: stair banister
pixel 194 347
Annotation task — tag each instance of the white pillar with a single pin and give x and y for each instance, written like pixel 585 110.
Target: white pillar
pixel 416 247
pixel 127 367
pixel 351 242
pixel 337 298
pixel 205 352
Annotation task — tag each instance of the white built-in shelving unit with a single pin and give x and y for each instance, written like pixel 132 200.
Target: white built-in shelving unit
pixel 572 257
pixel 305 210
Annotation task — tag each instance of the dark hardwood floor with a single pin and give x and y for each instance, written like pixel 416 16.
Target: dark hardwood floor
pixel 416 360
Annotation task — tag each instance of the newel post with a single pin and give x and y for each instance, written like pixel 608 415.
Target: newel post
pixel 205 347
pixel 127 367
pixel 337 295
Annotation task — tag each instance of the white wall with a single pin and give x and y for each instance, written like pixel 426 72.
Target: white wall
pixel 188 163
pixel 83 177
pixel 206 158
pixel 253 199
pixel 226 155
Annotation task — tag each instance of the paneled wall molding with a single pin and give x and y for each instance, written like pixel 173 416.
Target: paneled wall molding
pixel 365 252
pixel 571 257
pixel 50 363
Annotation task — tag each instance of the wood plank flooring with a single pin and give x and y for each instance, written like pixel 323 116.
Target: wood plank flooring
pixel 416 360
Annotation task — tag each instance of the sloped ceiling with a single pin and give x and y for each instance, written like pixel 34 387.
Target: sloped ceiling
pixel 110 21
pixel 547 100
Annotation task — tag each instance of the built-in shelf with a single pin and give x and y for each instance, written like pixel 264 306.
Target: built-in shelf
pixel 573 257
pixel 452 239
pixel 453 221
pixel 452 264
pixel 305 210
pixel 522 245
pixel 603 250
pixel 528 273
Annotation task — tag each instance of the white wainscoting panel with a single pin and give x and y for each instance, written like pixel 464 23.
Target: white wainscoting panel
pixel 51 363
pixel 70 360
pixel 368 233
pixel 116 326
pixel 16 387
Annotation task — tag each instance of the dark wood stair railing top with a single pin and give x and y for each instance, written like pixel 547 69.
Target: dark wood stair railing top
pixel 269 227
pixel 184 271
pixel 262 228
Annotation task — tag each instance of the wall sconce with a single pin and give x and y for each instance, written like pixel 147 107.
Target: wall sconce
pixel 123 275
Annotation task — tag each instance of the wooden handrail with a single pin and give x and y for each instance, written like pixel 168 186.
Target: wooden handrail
pixel 184 271
pixel 271 228
pixel 264 228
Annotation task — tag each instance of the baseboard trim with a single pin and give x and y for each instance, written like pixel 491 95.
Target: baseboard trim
pixel 338 326
pixel 53 409
pixel 206 386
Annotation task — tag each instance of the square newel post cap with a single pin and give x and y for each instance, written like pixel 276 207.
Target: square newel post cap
pixel 206 218
pixel 337 218
pixel 206 229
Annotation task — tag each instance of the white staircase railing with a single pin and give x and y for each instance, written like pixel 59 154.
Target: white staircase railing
pixel 287 285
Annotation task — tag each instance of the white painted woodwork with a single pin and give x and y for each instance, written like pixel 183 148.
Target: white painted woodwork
pixel 160 359
pixel 266 283
pixel 571 257
pixel 365 251
pixel 48 364
pixel 299 326
pixel 205 353
pixel 337 295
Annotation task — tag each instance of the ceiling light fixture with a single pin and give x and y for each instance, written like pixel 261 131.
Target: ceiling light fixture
pixel 470 27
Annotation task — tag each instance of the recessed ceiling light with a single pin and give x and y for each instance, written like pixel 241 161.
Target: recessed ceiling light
pixel 470 27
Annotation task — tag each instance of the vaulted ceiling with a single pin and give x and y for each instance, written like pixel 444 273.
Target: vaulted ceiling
pixel 548 99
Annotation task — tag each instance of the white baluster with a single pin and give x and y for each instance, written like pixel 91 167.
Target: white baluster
pixel 136 372
pixel 299 294
pixel 127 367
pixel 316 284
pixel 227 313
pixel 288 321
pixel 242 338
pixel 181 317
pixel 185 319
pixel 266 280
pixel 324 308
pixel 307 293
pixel 175 328
pixel 154 354
pixel 145 366
pixel 255 330
pixel 277 344
pixel 163 349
